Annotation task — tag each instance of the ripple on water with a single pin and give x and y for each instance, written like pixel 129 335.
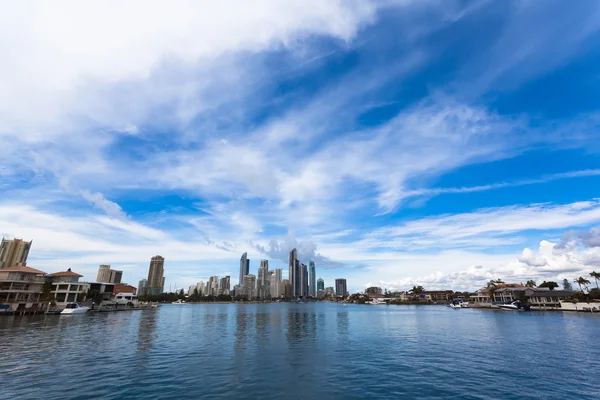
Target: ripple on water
pixel 301 351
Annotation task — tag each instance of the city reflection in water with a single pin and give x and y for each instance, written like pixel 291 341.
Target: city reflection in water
pixel 147 329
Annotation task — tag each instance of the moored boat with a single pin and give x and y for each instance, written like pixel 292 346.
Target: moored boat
pixel 514 306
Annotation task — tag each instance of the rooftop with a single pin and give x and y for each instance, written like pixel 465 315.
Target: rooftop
pixel 21 268
pixel 68 273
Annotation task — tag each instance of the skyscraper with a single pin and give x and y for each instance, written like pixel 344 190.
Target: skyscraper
pixel 156 279
pixel 224 285
pixel 320 284
pixel 103 273
pixel 244 267
pixel 213 286
pixel 263 282
pixel 249 289
pixel 293 266
pixel 200 287
pixel 340 287
pixel 14 252
pixel 115 276
pixel 304 280
pixel 142 285
pixel 276 286
pixel 312 276
pixel 108 275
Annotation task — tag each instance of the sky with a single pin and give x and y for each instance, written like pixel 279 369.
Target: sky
pixel 395 142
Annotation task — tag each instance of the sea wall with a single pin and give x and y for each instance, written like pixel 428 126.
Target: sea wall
pixel 568 306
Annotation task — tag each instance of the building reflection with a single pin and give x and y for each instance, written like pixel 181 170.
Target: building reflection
pixel 147 329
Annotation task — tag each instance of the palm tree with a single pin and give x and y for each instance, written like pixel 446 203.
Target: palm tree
pixel 530 283
pixel 596 276
pixel 581 281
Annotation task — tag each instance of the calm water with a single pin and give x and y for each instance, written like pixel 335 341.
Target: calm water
pixel 303 351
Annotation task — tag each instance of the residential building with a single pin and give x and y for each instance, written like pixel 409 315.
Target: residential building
pixel 540 297
pixel 436 295
pixel 66 287
pixel 224 285
pixel 103 273
pixel 341 289
pixel 276 286
pixel 20 288
pixel 103 291
pixel 312 279
pixel 288 291
pixel 244 267
pixel 263 282
pixel 200 287
pixel 320 284
pixel 293 266
pixel 106 274
pixel 213 286
pixel 303 281
pixel 329 291
pixel 249 289
pixel 482 296
pixel 191 290
pixel 115 276
pixel 142 285
pixel 321 293
pixel 279 274
pixel 156 279
pixel 14 252
pixel 237 290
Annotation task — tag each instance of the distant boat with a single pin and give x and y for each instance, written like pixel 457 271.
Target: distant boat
pixel 74 308
pixel 514 306
pixel 154 304
pixel 178 302
pixel 464 305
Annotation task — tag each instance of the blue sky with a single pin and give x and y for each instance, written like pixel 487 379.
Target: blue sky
pixel 441 143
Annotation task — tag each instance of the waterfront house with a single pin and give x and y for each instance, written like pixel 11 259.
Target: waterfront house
pixel 20 289
pixel 538 297
pixel 66 287
pixel 482 296
pixel 436 295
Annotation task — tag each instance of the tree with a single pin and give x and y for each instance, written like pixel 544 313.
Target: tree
pixel 550 285
pixel 567 285
pixel 530 283
pixel 596 276
pixel 581 281
pixel 417 289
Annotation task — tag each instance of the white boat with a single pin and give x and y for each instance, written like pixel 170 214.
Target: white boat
pixel 454 306
pixel 154 305
pixel 178 302
pixel 514 306
pixel 464 305
pixel 74 308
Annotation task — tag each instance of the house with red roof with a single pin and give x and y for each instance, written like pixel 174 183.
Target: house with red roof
pixel 21 289
pixel 66 287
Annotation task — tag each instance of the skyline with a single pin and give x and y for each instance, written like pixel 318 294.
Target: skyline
pixel 392 143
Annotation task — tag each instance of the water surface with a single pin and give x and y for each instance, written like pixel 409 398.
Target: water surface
pixel 302 351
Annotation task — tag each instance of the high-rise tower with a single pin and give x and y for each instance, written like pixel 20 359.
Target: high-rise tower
pixel 294 266
pixel 312 279
pixel 263 281
pixel 14 252
pixel 156 280
pixel 244 267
